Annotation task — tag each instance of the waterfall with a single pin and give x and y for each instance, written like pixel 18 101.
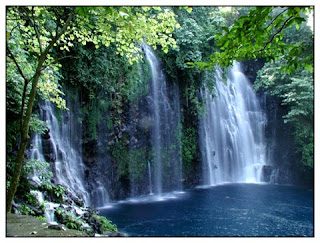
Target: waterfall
pixel 150 178
pixel 157 79
pixel 61 148
pixel 165 108
pixel 36 153
pixel 49 207
pixel 69 168
pixel 232 132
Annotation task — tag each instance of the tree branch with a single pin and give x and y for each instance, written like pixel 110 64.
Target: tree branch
pixel 17 65
pixel 278 31
pixel 56 60
pixel 276 18
pixel 25 86
pixel 43 55
pixel 55 39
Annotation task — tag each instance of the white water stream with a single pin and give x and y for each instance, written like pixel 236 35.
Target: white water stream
pixel 232 132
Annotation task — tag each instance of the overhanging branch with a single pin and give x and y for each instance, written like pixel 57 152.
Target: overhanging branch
pixel 278 31
pixel 276 18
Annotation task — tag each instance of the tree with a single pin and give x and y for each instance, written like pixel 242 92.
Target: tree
pixel 260 34
pixel 32 32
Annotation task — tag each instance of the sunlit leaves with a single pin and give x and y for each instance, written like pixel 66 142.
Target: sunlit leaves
pixel 31 29
pixel 50 89
pixel 259 34
pixel 29 35
pixel 127 27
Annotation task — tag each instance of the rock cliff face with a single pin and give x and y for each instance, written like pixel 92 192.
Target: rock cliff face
pixel 251 67
pixel 118 162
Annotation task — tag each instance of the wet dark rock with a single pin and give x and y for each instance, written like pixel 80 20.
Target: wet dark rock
pixel 46 134
pixel 251 67
pixel 266 173
pixel 48 150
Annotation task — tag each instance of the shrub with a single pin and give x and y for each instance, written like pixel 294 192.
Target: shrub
pixel 102 224
pixel 68 219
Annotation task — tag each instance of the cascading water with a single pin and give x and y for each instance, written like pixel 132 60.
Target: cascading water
pixel 165 108
pixel 68 165
pixel 69 168
pixel 232 132
pixel 150 178
pixel 157 80
pixel 49 207
pixel 36 153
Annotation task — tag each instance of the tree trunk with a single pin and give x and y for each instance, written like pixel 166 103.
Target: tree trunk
pixel 24 137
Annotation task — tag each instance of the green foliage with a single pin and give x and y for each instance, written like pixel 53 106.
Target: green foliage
pixel 103 224
pixel 127 27
pixel 39 168
pixel 26 210
pixel 131 162
pixel 56 192
pixel 138 162
pixel 23 43
pixel 189 149
pixel 32 32
pixel 37 125
pixel 94 117
pixel 304 138
pixel 280 35
pixel 195 37
pixel 49 88
pixel 296 92
pixel 195 41
pixel 99 223
pixel 119 152
pixel 170 161
pixel 197 105
pixel 108 79
pixel 59 190
pixel 69 219
pixel 13 132
pixel 137 79
pixel 260 34
pixel 42 218
pixel 31 199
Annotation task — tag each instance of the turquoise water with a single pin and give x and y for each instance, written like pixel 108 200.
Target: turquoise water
pixel 224 210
